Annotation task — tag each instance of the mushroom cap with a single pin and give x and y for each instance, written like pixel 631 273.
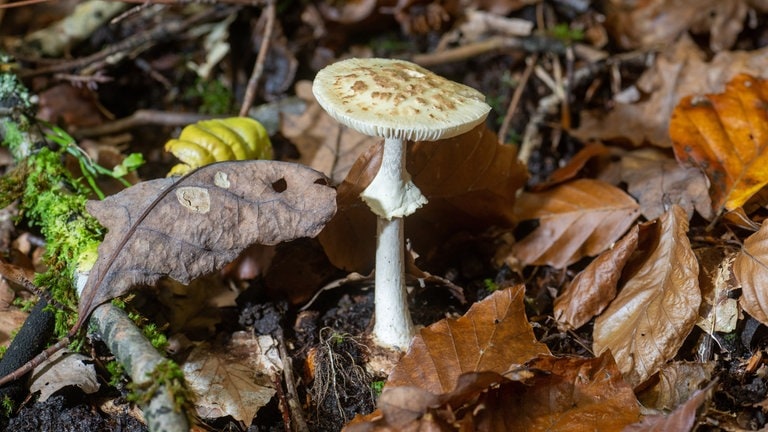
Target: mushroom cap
pixel 397 99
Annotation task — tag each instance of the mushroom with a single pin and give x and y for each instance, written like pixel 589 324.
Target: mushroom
pixel 399 101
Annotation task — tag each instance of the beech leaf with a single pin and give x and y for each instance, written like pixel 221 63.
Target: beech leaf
pixel 726 136
pixel 190 226
pixel 493 335
pixel 233 381
pixel 751 269
pixel 595 287
pixel 658 181
pixel 657 307
pixel 549 394
pixel 681 419
pixel 470 180
pixel 576 219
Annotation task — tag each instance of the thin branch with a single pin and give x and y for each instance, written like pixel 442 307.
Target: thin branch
pixel 516 97
pixel 258 68
pixel 140 118
pixel 140 358
pixel 297 413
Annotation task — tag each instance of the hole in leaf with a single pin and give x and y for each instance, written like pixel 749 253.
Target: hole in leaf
pixel 280 185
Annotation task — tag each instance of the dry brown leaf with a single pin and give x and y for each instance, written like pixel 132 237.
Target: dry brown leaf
pixel 323 144
pixel 595 287
pixel 726 136
pixel 682 419
pixel 751 269
pixel 576 219
pixel 550 394
pixel 591 150
pixel 572 394
pixel 677 383
pixel 237 380
pixel 679 71
pixel 718 312
pixel 657 307
pixel 470 181
pixel 493 335
pixel 657 181
pixel 188 227
pixel 653 23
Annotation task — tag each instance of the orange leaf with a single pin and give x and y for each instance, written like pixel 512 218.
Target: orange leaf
pixel 576 219
pixel 726 136
pixel 652 315
pixel 751 269
pixel 492 336
pixel 595 287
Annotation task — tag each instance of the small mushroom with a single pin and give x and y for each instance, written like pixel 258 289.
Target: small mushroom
pixel 399 101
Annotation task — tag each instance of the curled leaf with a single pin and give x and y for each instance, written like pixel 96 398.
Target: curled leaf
pixel 751 269
pixel 188 227
pixel 650 318
pixel 218 140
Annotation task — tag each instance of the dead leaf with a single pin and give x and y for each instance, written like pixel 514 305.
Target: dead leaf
pixel 653 23
pixel 64 369
pixel 568 394
pixel 576 219
pixel 678 381
pixel 493 335
pixel 188 227
pixel 657 307
pixel 657 181
pixel 591 150
pixel 470 180
pixel 235 381
pixel 751 269
pixel 679 71
pixel 322 142
pixel 718 312
pixel 682 419
pixel 726 136
pixel 549 394
pixel 595 287
pixel 67 104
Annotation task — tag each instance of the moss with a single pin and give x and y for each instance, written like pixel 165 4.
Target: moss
pixel 6 406
pixel 116 372
pixel 166 374
pixel 54 202
pixel 150 330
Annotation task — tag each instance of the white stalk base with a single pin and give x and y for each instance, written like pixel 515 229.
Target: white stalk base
pixel 393 326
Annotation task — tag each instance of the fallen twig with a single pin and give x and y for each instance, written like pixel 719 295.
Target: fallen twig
pixel 504 129
pixel 299 424
pixel 142 117
pixel 258 68
pixel 140 359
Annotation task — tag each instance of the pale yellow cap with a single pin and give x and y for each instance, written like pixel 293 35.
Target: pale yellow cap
pixel 397 99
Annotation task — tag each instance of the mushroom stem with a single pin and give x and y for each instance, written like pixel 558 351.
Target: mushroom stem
pixel 391 193
pixel 393 326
